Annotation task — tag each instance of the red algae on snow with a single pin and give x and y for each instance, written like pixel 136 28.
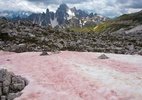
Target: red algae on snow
pixel 76 76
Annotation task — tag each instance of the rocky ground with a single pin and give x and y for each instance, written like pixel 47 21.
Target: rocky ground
pixel 76 75
pixel 24 36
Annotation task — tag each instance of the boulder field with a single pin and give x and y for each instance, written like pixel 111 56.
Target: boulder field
pixel 72 75
pixel 24 36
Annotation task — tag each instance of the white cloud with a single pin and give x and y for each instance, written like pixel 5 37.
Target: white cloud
pixel 101 7
pixel 52 7
pixel 16 5
pixel 110 8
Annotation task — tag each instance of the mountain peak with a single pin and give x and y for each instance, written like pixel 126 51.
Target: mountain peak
pixel 63 6
pixel 47 10
pixel 64 16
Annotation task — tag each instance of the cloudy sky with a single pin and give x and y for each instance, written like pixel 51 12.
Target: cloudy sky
pixel 110 8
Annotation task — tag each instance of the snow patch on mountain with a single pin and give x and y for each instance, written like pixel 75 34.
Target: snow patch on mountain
pixel 71 14
pixel 54 22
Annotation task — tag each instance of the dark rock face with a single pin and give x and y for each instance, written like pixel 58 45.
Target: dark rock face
pixel 61 13
pixel 58 19
pixel 40 18
pixel 66 17
pixel 79 14
pixel 44 19
pixel 11 85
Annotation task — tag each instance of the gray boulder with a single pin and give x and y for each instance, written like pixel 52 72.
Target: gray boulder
pixel 11 96
pixel 140 52
pixel 11 85
pixel 43 53
pixel 103 56
pixel 3 97
pixel 0 89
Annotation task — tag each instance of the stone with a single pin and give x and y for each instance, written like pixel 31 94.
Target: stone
pixel 26 81
pixel 73 45
pixel 78 42
pixel 43 53
pixel 6 82
pixel 18 87
pixel 5 90
pixel 1 43
pixel 2 74
pixel 0 89
pixel 21 48
pixel 7 79
pixel 139 52
pixel 11 96
pixel 103 56
pixel 11 85
pixel 55 51
pixel 3 97
pixel 59 45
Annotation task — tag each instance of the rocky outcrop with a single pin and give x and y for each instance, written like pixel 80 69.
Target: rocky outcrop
pixel 11 85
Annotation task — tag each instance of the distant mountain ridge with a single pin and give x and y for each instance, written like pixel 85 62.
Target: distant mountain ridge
pixel 12 14
pixel 66 17
pixel 63 17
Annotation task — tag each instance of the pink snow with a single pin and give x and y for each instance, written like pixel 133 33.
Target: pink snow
pixel 76 75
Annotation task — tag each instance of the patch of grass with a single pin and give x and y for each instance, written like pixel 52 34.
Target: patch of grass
pixel 134 17
pixel 84 29
pixel 103 26
pixel 99 28
pixel 123 21
pixel 118 26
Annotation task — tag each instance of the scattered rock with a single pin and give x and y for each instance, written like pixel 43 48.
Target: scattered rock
pixel 55 51
pixel 3 97
pixel 43 53
pixel 11 96
pixel 8 59
pixel 140 52
pixel 103 56
pixel 26 37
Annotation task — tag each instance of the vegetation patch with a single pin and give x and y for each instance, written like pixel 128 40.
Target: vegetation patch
pixel 84 29
pixel 102 27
